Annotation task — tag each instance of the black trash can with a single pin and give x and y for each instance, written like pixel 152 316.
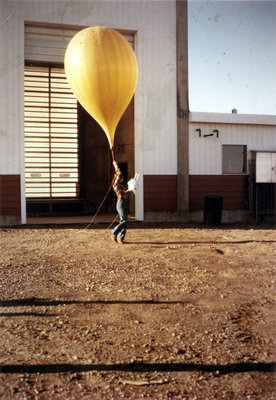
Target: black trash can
pixel 213 210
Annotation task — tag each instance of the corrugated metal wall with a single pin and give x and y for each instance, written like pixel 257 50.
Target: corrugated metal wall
pixel 205 153
pixel 48 43
pixel 206 140
pixel 160 193
pixel 232 188
pixel 10 195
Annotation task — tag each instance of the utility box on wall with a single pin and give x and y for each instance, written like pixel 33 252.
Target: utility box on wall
pixel 265 167
pixel 262 185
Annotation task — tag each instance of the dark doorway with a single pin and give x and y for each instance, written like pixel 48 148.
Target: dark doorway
pixel 96 169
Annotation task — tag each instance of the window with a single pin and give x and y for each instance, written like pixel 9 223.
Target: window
pixel 233 159
pixel 51 134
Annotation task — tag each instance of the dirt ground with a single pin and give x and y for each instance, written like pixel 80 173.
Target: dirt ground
pixel 177 312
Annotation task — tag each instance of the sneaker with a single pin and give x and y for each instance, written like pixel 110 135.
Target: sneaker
pixel 114 237
pixel 120 241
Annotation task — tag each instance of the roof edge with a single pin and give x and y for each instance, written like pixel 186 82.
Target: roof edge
pixel 223 118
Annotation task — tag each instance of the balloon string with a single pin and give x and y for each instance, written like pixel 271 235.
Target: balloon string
pixel 98 210
pixel 110 225
pixel 112 153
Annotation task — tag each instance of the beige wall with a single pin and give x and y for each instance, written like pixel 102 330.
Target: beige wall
pixel 155 98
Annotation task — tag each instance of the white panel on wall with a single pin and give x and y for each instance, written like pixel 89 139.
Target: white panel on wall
pixel 157 103
pixel 265 167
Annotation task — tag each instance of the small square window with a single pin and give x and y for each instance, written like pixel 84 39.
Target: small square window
pixel 233 159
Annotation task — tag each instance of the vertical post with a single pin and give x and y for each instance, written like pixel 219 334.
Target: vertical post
pixel 182 109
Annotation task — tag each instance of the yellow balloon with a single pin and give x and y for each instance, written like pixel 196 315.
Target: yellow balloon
pixel 101 69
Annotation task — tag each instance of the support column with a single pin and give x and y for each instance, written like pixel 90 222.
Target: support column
pixel 182 109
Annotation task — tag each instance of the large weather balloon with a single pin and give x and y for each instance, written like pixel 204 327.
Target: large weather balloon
pixel 101 69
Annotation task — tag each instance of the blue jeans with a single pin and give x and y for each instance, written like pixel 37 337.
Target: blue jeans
pixel 120 229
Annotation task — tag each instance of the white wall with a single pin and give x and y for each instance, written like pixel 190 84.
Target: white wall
pixel 155 98
pixel 205 154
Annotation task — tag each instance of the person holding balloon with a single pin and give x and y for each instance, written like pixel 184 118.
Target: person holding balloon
pixel 122 192
pixel 102 71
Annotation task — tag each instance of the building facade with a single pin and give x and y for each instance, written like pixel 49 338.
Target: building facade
pixel 222 151
pixel 172 150
pixel 153 26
